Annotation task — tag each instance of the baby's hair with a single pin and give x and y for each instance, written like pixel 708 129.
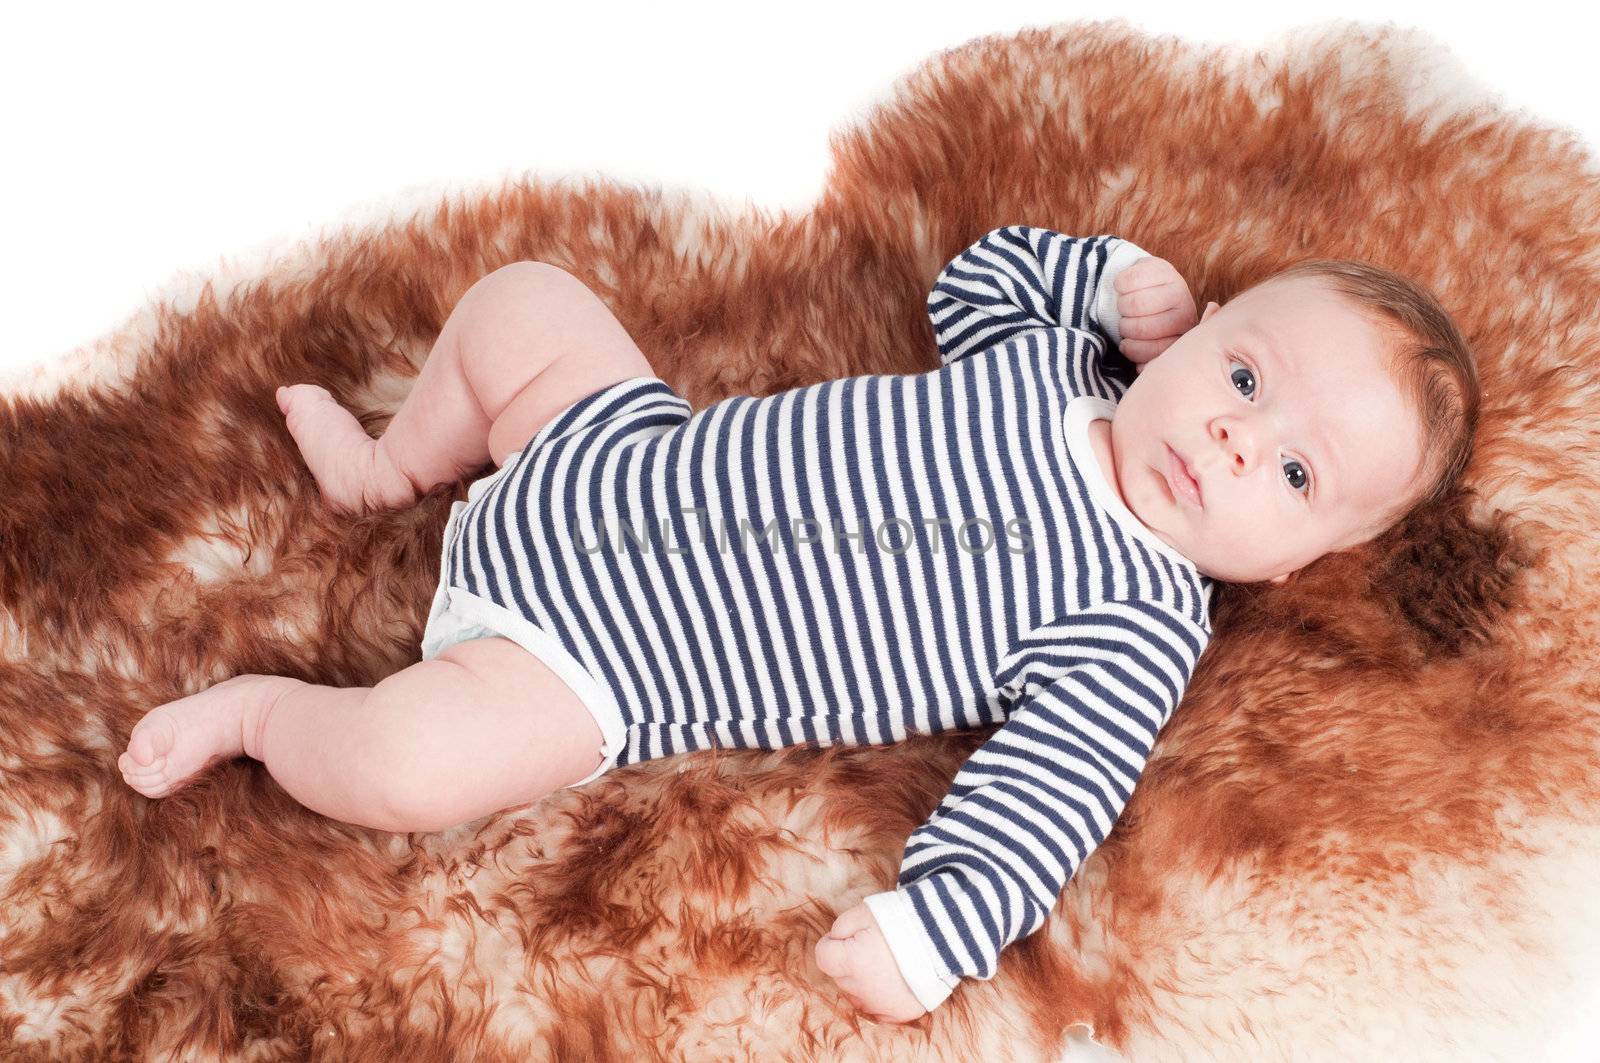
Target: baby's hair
pixel 1430 361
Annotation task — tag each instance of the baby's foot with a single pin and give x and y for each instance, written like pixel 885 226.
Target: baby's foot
pixel 353 473
pixel 175 741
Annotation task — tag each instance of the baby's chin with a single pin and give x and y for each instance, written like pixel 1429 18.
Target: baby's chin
pixel 1180 546
pixel 1154 522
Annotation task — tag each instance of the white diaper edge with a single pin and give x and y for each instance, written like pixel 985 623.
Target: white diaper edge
pixel 466 615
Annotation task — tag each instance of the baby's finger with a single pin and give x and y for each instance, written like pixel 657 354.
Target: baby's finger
pixel 853 921
pixel 1155 300
pixel 1144 273
pixel 1142 351
pixel 838 958
pixel 1169 324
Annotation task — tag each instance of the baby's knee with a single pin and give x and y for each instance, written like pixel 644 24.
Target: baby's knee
pixel 525 281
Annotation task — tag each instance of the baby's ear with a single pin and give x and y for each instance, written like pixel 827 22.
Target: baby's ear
pixel 1449 577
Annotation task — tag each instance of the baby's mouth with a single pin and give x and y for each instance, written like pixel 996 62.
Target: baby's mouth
pixel 1181 481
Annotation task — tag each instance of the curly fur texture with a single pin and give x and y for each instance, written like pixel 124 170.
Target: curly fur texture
pixel 1365 831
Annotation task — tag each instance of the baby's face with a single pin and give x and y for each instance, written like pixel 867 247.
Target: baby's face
pixel 1284 410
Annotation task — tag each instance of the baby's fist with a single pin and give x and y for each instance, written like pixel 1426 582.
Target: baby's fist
pixel 856 956
pixel 1156 308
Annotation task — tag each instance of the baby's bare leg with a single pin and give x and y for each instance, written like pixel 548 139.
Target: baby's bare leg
pixel 482 727
pixel 522 343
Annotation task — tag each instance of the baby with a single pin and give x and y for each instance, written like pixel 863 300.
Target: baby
pixel 1028 535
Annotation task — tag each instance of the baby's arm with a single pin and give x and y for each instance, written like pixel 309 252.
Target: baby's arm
pixel 1039 795
pixel 1020 278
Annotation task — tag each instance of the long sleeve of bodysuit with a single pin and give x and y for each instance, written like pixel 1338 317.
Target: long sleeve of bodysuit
pixel 1020 278
pixel 1090 694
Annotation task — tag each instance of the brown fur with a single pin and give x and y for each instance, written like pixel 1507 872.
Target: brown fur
pixel 1361 825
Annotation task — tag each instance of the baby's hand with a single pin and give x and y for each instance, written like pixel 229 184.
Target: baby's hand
pixel 856 956
pixel 1156 308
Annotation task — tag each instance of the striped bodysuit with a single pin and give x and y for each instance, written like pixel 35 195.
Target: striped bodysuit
pixel 864 558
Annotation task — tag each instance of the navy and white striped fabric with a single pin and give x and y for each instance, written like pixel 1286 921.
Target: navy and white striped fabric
pixel 869 557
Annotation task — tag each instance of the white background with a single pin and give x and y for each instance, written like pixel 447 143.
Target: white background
pixel 154 138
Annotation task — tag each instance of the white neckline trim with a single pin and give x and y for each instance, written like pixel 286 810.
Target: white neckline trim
pixel 1081 409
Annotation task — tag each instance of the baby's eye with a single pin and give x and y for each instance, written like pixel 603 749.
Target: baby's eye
pixel 1249 375
pixel 1305 481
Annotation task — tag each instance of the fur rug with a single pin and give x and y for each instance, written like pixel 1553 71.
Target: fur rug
pixel 1369 831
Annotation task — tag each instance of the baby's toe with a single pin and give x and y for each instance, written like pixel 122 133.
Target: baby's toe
pixel 144 780
pixel 151 785
pixel 131 768
pixel 153 737
pixel 300 395
pixel 301 400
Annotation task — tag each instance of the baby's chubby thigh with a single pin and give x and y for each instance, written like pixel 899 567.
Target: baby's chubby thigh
pixel 482 727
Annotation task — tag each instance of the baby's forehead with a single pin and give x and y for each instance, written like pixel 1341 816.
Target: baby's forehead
pixel 1290 312
pixel 1296 287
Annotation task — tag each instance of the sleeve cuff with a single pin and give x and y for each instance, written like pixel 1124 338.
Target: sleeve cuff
pixel 1125 254
pixel 913 953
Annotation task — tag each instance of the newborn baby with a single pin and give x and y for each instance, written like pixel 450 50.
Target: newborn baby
pixel 1028 535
